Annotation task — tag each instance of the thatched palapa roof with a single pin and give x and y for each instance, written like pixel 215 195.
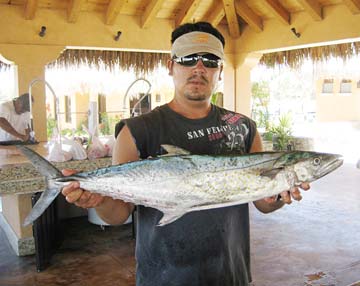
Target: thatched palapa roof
pixel 294 58
pixel 139 62
pixel 145 62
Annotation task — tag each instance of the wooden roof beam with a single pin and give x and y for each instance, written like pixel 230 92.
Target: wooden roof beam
pixel 215 14
pixel 353 5
pixel 113 10
pixel 231 17
pixel 30 9
pixel 74 9
pixel 150 12
pixel 279 11
pixel 313 8
pixel 253 20
pixel 187 12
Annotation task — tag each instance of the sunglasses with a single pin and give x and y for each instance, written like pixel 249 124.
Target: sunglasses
pixel 190 61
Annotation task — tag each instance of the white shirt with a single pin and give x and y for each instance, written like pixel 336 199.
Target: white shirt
pixel 19 122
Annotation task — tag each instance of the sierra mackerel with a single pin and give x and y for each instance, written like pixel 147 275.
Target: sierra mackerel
pixel 182 183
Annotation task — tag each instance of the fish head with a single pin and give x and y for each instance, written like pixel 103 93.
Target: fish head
pixel 309 166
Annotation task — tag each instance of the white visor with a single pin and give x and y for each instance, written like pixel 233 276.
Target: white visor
pixel 195 43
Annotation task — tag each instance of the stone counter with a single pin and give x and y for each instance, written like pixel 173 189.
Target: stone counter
pixel 24 178
pixel 18 180
pixel 18 176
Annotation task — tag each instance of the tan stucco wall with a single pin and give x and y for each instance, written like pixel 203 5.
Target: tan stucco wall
pixel 31 53
pixel 31 61
pixel 15 208
pixel 338 25
pixel 244 64
pixel 80 105
pixel 90 31
pixel 337 106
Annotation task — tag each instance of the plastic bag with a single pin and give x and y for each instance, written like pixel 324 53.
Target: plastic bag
pixel 109 145
pixel 77 151
pixel 56 153
pixel 96 148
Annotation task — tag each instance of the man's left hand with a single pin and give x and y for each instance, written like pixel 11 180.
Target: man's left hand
pixel 288 196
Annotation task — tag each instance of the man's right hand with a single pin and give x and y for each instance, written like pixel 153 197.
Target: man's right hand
pixel 112 211
pixel 80 197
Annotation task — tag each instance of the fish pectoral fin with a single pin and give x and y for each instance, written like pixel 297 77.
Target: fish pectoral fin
pixel 169 217
pixel 271 173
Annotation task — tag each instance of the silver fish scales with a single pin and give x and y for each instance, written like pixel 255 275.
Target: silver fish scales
pixel 182 183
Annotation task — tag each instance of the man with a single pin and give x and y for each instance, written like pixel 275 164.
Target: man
pixel 15 119
pixel 209 247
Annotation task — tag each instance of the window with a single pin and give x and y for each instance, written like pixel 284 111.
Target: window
pixel 67 109
pixel 328 86
pixel 345 86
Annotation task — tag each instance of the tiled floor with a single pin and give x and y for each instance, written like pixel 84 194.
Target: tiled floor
pixel 311 243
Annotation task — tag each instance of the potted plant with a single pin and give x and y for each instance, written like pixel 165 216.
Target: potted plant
pixel 280 134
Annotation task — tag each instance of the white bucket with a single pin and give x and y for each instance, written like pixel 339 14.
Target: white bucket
pixel 94 218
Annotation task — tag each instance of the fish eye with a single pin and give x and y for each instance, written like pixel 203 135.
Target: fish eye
pixel 316 161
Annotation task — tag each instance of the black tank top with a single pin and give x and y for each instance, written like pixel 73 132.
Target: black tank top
pixel 209 247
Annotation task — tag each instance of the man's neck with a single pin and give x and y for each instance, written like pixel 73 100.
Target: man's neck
pixel 191 109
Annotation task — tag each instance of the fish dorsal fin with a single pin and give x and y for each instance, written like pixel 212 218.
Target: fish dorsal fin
pixel 174 150
pixel 271 173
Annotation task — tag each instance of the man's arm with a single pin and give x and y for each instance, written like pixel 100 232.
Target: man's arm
pixel 110 210
pixel 5 125
pixel 271 204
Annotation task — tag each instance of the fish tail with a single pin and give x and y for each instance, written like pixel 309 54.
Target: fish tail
pixel 46 198
pixel 50 172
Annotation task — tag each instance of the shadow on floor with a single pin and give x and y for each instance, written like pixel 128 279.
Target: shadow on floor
pixel 89 255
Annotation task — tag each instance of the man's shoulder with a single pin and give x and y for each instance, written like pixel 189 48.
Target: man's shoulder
pixel 156 113
pixel 227 114
pixel 152 117
pixel 5 107
pixel 6 104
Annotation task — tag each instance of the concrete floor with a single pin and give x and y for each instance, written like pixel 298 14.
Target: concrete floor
pixel 89 256
pixel 312 242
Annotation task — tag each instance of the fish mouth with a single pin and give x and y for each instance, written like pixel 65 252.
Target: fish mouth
pixel 330 166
